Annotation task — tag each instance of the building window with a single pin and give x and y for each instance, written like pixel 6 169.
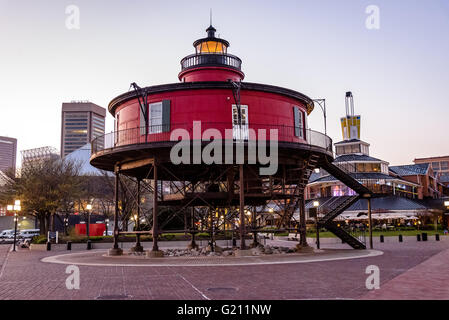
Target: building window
pixel 444 165
pixel 368 167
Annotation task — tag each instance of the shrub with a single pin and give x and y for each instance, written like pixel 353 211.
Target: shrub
pixel 41 239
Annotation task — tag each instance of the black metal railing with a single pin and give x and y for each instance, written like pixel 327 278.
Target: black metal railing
pixel 211 59
pixel 358 233
pixel 255 132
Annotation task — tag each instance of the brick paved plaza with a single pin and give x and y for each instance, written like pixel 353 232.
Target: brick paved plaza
pixel 409 270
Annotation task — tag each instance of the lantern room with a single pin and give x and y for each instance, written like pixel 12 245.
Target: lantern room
pixel 211 61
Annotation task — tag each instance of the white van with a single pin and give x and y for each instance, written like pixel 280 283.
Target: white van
pixel 7 234
pixel 29 233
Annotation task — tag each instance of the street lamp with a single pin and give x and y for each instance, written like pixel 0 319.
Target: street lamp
pixel 107 225
pixel 322 104
pixel 316 204
pixel 446 203
pixel 88 208
pixel 66 224
pixel 16 208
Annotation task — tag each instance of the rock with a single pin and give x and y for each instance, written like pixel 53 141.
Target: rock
pixel 227 253
pixel 256 251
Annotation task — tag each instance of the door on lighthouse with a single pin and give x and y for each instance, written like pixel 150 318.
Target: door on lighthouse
pixel 240 131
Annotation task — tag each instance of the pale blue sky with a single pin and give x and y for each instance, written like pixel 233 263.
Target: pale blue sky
pixel 398 74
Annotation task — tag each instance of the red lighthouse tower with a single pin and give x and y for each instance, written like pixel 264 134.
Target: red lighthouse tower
pixel 220 183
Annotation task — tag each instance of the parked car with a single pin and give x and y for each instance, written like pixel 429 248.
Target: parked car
pixel 110 233
pixel 7 234
pixel 29 233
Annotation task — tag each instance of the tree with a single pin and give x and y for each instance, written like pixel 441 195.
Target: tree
pixel 44 188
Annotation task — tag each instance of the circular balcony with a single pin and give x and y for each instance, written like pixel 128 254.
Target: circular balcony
pixel 135 143
pixel 211 60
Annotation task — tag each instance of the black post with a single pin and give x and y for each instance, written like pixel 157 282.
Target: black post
pixel 418 237
pixel 212 226
pixel 370 224
pixel 400 238
pixel 437 237
pixel 192 228
pixel 15 231
pixel 254 226
pixel 234 240
pixel 381 238
pixel 69 245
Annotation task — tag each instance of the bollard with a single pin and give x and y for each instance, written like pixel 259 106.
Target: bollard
pixel 381 238
pixel 400 238
pixel 424 236
pixel 437 237
pixel 418 237
pixel 69 245
pixel 48 246
pixel 89 245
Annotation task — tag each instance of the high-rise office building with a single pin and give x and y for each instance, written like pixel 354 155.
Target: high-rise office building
pixel 81 122
pixel 8 151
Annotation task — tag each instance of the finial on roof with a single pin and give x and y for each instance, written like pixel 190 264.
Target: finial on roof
pixel 211 16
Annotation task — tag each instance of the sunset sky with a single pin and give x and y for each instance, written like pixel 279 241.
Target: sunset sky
pixel 399 74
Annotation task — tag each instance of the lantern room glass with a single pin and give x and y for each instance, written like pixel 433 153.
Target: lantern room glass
pixel 211 47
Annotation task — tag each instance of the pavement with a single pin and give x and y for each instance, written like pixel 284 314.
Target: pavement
pixel 407 267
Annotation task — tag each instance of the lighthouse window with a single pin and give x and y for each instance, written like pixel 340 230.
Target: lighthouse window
pixel 240 131
pixel 159 117
pixel 155 117
pixel 299 122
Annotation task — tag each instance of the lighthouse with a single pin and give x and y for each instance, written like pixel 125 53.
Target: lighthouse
pixel 212 104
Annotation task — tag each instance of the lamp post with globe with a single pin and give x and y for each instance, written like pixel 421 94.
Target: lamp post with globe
pixel 16 209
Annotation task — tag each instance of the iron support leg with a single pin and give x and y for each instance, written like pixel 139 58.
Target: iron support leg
pixel 242 211
pixel 155 209
pixel 302 223
pixel 115 249
pixel 138 247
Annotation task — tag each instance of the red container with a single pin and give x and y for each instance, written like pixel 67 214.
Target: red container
pixel 95 229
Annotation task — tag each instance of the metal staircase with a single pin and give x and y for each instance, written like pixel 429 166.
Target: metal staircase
pixel 340 204
pixel 343 176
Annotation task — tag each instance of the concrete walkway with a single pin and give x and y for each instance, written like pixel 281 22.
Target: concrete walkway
pixel 426 281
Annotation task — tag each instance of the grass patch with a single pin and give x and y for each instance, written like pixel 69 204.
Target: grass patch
pixel 405 233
